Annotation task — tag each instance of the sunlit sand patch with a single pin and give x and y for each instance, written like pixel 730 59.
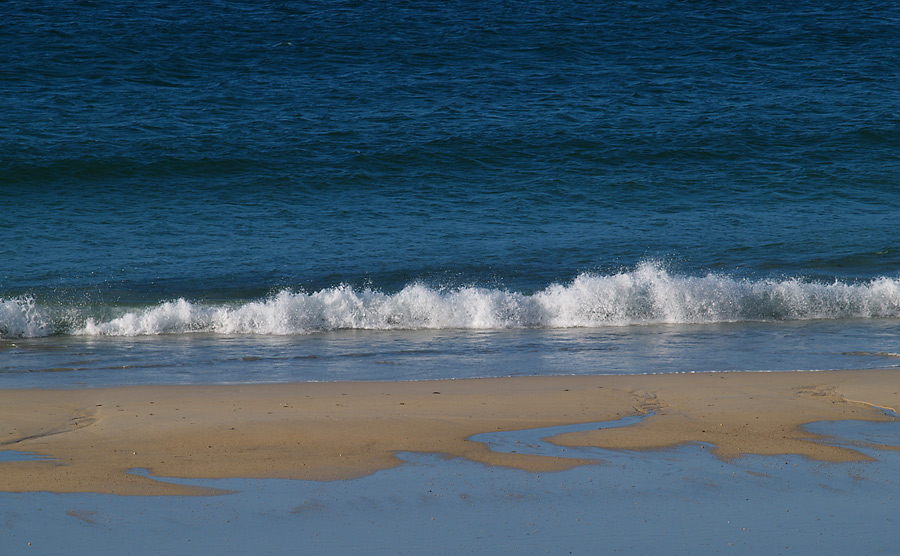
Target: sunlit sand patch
pixel 332 431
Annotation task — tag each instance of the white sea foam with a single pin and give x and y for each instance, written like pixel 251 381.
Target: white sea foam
pixel 647 295
pixel 21 317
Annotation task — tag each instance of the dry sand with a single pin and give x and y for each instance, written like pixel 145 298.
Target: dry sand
pixel 326 431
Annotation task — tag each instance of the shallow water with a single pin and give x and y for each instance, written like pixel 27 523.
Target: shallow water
pixel 71 361
pixel 680 501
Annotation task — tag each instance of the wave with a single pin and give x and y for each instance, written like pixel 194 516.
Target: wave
pixel 649 294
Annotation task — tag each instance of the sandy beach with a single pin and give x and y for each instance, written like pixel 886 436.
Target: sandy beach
pixel 331 431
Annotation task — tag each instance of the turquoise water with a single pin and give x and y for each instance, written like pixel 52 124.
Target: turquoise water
pixel 274 191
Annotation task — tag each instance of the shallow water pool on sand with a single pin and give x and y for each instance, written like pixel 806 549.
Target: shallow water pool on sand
pixel 680 501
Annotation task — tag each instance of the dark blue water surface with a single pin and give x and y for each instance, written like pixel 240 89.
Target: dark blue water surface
pixel 281 176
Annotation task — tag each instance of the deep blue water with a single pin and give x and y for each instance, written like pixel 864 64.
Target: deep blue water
pixel 257 191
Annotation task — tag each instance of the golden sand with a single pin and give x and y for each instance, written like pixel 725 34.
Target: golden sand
pixel 326 431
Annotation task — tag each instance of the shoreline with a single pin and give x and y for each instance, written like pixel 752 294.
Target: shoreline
pixel 340 430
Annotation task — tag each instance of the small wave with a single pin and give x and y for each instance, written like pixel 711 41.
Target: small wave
pixel 888 354
pixel 23 318
pixel 649 294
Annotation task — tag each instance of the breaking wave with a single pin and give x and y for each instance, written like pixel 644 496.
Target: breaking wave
pixel 646 295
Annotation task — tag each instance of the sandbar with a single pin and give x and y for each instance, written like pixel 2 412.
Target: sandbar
pixel 96 437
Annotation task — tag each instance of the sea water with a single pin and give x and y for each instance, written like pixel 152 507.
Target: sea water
pixel 289 191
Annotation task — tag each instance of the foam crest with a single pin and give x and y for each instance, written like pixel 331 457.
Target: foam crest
pixel 22 317
pixel 415 307
pixel 649 294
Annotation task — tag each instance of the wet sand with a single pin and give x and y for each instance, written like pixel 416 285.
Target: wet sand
pixel 329 431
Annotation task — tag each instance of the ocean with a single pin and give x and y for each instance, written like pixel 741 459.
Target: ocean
pixel 274 191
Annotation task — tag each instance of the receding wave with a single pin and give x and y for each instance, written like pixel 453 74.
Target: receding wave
pixel 649 294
